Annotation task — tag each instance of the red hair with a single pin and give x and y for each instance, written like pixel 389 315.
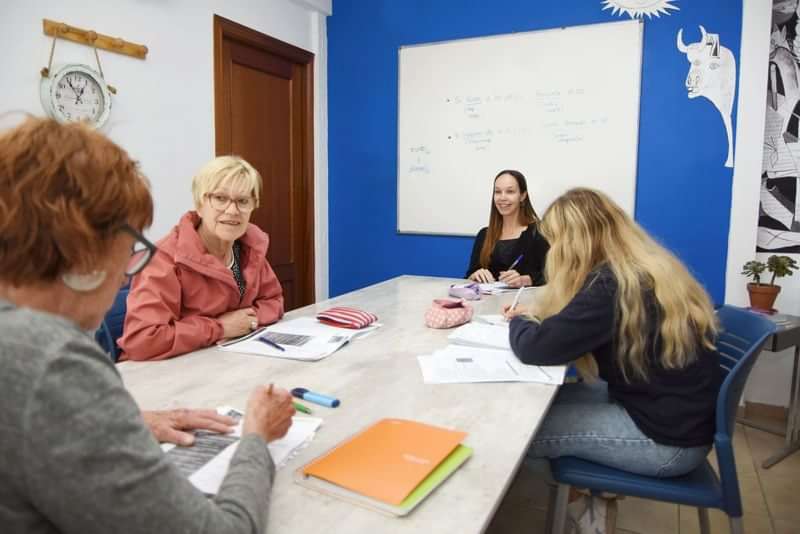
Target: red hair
pixel 65 191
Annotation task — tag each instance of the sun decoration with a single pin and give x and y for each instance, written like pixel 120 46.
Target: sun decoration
pixel 640 8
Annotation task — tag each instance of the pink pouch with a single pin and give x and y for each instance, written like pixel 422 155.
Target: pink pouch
pixel 447 313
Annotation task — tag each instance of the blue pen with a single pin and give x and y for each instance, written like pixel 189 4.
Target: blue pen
pixel 519 259
pixel 316 398
pixel 268 341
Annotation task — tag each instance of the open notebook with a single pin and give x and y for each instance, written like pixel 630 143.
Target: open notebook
pixel 389 467
pixel 206 462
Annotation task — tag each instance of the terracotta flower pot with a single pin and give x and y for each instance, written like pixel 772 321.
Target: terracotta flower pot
pixel 762 296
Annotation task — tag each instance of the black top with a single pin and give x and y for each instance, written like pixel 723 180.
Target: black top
pixel 675 407
pixel 530 244
pixel 236 267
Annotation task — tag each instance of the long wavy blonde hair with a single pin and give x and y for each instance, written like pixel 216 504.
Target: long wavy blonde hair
pixel 586 229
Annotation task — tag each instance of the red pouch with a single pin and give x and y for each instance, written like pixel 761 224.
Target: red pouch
pixel 345 317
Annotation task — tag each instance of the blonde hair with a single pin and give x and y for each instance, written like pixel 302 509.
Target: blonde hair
pixel 586 229
pixel 230 171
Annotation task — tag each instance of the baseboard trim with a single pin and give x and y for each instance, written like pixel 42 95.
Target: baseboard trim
pixel 757 410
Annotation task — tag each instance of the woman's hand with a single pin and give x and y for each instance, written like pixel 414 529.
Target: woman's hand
pixel 168 426
pixel 238 322
pixel 483 276
pixel 509 313
pixel 269 413
pixel 514 279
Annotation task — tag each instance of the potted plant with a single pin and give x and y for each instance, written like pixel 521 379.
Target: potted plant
pixel 762 296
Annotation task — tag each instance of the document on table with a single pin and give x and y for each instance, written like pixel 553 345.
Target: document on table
pixel 303 338
pixel 482 335
pixel 493 319
pixel 206 462
pixel 462 364
pixel 495 288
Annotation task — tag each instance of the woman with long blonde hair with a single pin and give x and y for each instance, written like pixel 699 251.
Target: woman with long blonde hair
pixel 632 315
pixel 510 249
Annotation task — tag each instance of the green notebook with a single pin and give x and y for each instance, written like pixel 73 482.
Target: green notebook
pixel 442 471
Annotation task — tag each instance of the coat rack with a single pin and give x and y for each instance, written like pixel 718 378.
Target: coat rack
pixel 92 38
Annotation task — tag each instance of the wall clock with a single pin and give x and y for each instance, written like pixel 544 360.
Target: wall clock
pixel 74 93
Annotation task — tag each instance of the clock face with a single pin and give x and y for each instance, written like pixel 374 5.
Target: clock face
pixel 77 96
pixel 76 93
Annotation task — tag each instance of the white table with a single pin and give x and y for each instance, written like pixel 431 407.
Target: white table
pixel 374 377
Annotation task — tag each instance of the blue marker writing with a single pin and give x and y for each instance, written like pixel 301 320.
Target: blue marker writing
pixel 316 398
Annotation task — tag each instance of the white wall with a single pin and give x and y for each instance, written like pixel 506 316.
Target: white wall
pixel 769 381
pixel 163 113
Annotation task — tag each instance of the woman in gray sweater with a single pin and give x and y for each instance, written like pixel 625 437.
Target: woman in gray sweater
pixel 78 455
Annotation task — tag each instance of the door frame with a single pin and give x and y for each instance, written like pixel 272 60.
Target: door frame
pixel 228 29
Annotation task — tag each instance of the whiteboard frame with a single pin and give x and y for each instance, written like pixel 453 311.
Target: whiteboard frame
pixel 501 35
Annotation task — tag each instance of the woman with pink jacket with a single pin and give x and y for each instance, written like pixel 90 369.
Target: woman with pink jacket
pixel 210 278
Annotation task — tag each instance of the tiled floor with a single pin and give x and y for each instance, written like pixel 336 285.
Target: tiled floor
pixel 770 498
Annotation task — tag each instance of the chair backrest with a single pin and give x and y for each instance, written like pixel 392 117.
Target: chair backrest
pixel 741 339
pixel 111 329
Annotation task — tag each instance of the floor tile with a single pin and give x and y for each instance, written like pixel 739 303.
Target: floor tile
pixel 753 523
pixel 651 517
pixel 516 518
pixel 763 445
pixel 785 527
pixel 781 490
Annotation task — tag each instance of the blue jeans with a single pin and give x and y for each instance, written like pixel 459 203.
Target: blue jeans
pixel 583 422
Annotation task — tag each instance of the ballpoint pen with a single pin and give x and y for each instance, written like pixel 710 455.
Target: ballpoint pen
pixel 516 298
pixel 268 341
pixel 519 259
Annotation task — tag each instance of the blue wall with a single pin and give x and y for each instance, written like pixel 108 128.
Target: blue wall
pixel 683 189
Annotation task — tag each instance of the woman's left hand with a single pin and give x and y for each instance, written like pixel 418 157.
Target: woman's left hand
pixel 168 426
pixel 514 279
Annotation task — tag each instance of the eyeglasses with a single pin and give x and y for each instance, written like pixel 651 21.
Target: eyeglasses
pixel 221 202
pixel 142 252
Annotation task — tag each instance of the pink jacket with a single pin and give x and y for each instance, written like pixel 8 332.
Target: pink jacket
pixel 173 303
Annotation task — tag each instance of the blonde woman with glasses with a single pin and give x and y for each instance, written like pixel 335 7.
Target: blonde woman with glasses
pixel 642 331
pixel 210 279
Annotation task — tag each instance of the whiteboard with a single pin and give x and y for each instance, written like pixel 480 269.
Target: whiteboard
pixel 560 105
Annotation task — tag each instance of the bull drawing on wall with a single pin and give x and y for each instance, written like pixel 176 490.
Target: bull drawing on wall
pixel 712 74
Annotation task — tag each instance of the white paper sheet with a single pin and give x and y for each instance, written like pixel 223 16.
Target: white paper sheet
pixel 495 288
pixel 208 476
pixel 303 338
pixel 462 364
pixel 482 335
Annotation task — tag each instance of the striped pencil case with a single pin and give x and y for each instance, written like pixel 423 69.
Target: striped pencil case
pixel 346 317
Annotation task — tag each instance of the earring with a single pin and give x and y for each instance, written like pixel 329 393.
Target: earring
pixel 84 282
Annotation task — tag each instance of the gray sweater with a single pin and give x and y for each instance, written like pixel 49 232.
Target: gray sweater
pixel 75 455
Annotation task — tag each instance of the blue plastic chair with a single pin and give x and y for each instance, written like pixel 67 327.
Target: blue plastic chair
pixel 740 342
pixel 111 328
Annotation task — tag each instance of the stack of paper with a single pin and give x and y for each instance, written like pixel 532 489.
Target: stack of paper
pixel 206 462
pixel 389 467
pixel 495 288
pixel 482 335
pixel 463 364
pixel 303 338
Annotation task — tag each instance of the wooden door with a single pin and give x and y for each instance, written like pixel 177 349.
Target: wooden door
pixel 264 113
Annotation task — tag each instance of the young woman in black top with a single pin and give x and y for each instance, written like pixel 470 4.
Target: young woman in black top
pixel 631 314
pixel 512 234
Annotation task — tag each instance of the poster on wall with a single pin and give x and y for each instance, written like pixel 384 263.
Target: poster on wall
pixel 779 207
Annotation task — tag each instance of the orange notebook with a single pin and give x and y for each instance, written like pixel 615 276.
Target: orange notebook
pixel 387 460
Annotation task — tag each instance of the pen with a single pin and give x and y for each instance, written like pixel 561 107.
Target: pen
pixel 301 407
pixel 519 259
pixel 316 398
pixel 268 341
pixel 516 298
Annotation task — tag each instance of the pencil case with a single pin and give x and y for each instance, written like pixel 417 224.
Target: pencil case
pixel 345 317
pixel 470 291
pixel 447 313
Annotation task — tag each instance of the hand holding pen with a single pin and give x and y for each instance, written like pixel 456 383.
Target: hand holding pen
pixel 269 413
pixel 512 277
